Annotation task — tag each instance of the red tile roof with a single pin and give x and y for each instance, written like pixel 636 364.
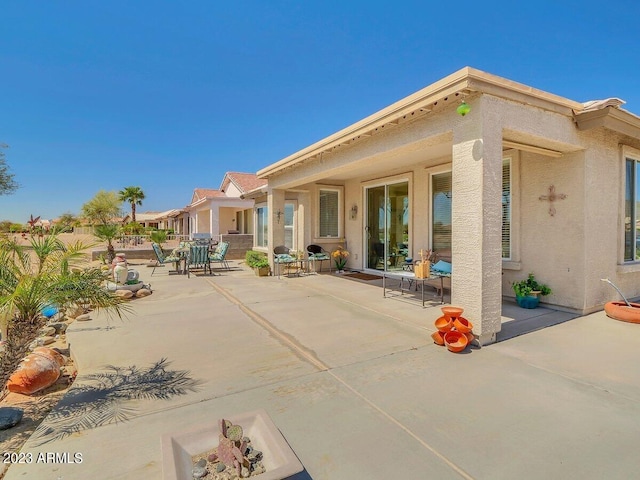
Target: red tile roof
pixel 200 193
pixel 244 181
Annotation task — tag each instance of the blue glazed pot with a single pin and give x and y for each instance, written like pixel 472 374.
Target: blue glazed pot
pixel 530 301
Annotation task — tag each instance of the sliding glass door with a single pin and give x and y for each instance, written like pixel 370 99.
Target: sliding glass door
pixel 387 226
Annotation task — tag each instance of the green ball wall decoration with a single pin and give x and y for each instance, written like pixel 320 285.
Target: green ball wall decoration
pixel 463 108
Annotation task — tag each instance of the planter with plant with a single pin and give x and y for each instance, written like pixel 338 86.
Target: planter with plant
pixel 258 261
pixel 340 256
pixel 528 292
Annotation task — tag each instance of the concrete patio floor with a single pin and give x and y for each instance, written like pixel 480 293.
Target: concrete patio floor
pixel 352 380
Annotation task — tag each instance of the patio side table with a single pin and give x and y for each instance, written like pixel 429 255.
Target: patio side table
pixel 410 277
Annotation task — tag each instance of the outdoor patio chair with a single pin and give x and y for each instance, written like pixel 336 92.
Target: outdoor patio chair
pixel 198 258
pixel 162 258
pixel 219 255
pixel 318 254
pixel 282 258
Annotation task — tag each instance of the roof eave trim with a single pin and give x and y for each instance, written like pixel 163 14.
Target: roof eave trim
pixel 611 118
pixel 466 80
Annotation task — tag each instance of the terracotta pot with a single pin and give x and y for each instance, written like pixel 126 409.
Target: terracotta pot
pixel 444 324
pixel 452 312
pixel 455 341
pixel 470 337
pixel 438 337
pixel 37 370
pixel 462 325
pixel 621 311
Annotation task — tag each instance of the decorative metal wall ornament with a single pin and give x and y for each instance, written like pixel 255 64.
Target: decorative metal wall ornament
pixel 552 197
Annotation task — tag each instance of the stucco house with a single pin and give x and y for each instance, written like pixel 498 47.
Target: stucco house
pixel 223 210
pixel 526 181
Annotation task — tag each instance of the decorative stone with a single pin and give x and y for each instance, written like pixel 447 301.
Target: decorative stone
pixel 74 311
pixel 48 340
pixel 124 293
pixel 10 417
pixel 59 328
pixel 200 469
pixel 244 473
pixel 143 292
pixel 46 331
pixel 220 467
pixel 83 318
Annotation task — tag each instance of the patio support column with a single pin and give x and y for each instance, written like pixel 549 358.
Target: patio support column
pixel 275 205
pixel 214 220
pixel 476 283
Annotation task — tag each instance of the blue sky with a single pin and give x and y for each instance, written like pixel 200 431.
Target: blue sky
pixel 170 95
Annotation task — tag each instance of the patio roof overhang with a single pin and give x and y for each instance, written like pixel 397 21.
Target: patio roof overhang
pixel 610 117
pixel 465 82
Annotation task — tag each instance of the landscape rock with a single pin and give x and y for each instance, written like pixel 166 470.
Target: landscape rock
pixel 47 331
pixel 143 292
pixel 48 340
pixel 83 318
pixel 10 417
pixel 124 293
pixel 74 311
pixel 59 328
pixel 200 469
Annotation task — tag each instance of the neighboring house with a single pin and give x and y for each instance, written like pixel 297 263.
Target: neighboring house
pixel 147 219
pixel 224 210
pixel 527 181
pixel 176 220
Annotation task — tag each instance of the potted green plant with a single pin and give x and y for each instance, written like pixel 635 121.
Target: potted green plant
pixel 528 292
pixel 258 261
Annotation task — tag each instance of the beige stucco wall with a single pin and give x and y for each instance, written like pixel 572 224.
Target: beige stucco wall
pixel 226 219
pixel 552 247
pixel 604 220
pixel 232 190
pixel 571 250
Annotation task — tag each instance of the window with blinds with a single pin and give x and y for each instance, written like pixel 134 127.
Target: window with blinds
pixel 632 210
pixel 329 213
pixel 289 226
pixel 441 214
pixel 262 225
pixel 506 209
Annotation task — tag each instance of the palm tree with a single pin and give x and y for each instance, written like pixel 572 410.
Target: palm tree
pixel 52 275
pixel 133 195
pixel 108 233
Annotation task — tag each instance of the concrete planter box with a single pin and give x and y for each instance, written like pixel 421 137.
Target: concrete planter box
pixel 278 457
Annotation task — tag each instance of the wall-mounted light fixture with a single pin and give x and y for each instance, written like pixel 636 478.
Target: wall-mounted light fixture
pixel 354 212
pixel 278 215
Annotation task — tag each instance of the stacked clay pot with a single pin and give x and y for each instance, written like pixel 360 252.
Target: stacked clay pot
pixel 454 331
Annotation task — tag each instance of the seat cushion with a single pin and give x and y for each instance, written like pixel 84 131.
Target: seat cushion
pixel 442 266
pixel 284 258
